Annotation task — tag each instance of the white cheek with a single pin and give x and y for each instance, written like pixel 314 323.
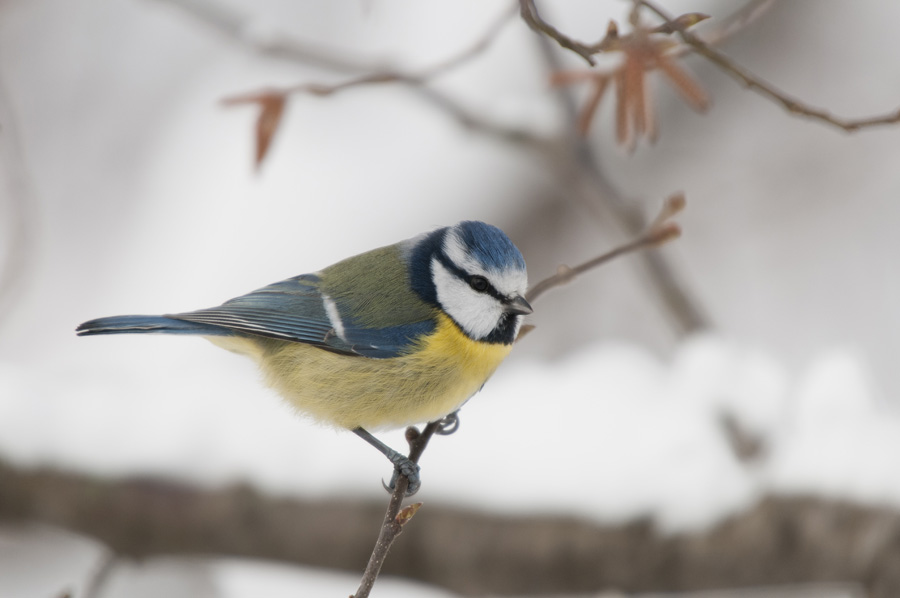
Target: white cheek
pixel 477 313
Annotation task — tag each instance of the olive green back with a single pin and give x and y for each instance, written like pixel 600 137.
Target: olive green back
pixel 374 287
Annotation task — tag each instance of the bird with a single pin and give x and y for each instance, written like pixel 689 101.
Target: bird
pixel 395 336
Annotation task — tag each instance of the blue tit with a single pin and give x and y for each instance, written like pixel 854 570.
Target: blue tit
pixel 395 336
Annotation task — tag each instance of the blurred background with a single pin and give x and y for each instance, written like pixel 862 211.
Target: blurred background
pixel 718 414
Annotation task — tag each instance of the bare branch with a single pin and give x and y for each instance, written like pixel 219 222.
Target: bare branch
pixel 751 81
pixel 480 45
pixel 394 76
pixel 394 518
pixel 18 191
pixel 530 15
pixel 237 26
pixel 737 21
pixel 660 231
pixel 268 117
pixel 578 169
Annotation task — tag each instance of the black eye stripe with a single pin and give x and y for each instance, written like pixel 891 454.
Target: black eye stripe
pixel 467 278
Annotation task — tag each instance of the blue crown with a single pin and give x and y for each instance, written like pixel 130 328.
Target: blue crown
pixel 490 246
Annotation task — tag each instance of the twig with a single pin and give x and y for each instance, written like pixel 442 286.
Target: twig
pixel 236 26
pixel 18 190
pixel 578 168
pixel 737 21
pixel 480 45
pixel 661 231
pixel 753 82
pixel 271 101
pixel 395 518
pixel 395 76
pixel 475 122
pixel 743 17
pixel 530 15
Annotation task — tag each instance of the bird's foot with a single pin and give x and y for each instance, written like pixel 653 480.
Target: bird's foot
pixel 403 466
pixel 448 424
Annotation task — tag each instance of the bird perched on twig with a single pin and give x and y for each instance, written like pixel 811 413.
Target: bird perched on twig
pixel 395 336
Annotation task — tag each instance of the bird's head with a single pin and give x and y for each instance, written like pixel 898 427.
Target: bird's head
pixel 476 275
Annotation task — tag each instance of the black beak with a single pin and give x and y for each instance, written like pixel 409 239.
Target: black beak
pixel 518 306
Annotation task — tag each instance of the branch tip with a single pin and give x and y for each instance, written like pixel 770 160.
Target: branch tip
pixel 412 434
pixel 663 234
pixel 661 230
pixel 672 206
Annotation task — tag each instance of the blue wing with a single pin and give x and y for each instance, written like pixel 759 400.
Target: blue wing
pixel 295 310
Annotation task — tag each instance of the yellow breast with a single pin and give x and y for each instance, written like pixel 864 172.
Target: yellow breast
pixel 442 371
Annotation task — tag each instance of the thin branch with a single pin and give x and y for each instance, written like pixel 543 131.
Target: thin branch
pixel 18 191
pixel 394 76
pixel 737 21
pixel 271 101
pixel 237 26
pixel 578 169
pixel 530 15
pixel 661 231
pixel 751 81
pixel 480 45
pixel 394 517
pixel 475 122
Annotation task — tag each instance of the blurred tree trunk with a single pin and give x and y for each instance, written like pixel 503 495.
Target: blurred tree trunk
pixel 781 540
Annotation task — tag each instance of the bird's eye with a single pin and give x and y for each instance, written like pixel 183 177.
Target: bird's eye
pixel 479 283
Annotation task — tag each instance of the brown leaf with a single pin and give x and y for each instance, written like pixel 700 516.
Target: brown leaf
pixel 623 133
pixel 271 109
pixel 635 92
pixel 561 78
pixel 682 81
pixel 600 83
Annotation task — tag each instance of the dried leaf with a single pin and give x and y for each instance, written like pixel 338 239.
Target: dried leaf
pixel 601 82
pixel 271 109
pixel 650 118
pixel 689 89
pixel 561 78
pixel 623 133
pixel 634 91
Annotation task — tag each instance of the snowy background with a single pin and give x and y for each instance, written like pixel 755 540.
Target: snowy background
pixel 141 198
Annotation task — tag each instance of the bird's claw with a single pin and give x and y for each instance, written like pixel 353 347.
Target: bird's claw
pixel 405 467
pixel 448 424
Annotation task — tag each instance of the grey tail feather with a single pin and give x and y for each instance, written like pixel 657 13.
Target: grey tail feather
pixel 148 324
